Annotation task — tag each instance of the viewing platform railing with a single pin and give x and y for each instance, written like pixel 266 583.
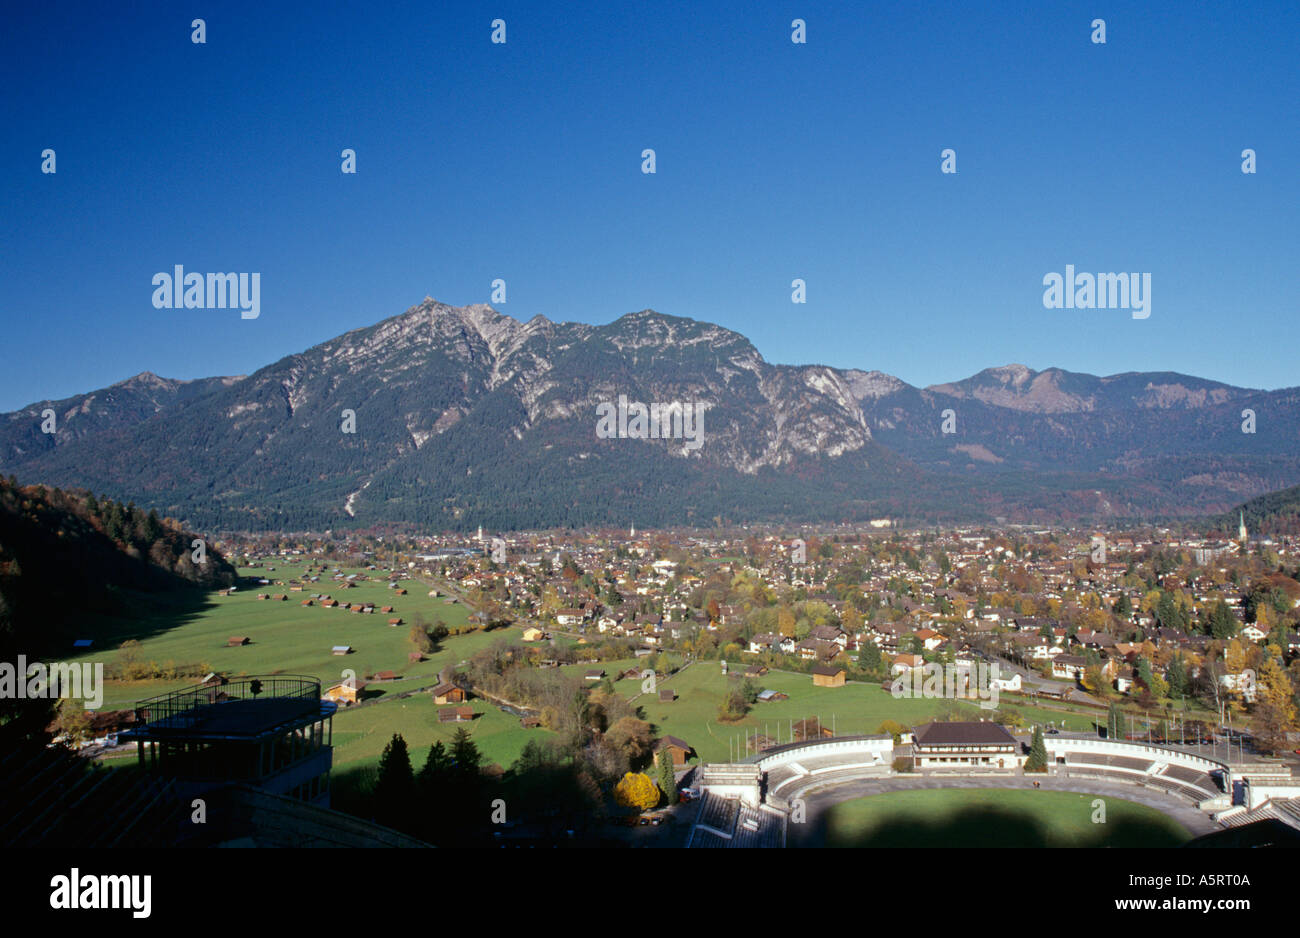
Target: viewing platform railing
pixel 181 708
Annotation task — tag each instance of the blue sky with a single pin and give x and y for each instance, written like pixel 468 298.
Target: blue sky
pixel 775 161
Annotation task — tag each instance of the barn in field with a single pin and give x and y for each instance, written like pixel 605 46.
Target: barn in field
pixel 678 749
pixel 347 692
pixel 448 694
pixel 828 675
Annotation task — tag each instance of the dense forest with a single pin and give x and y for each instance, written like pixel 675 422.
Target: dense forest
pixel 68 554
pixel 1276 513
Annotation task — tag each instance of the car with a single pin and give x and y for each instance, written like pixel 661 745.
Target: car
pixel 1053 732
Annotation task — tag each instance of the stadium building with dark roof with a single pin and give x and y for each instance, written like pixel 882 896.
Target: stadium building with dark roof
pixel 967 745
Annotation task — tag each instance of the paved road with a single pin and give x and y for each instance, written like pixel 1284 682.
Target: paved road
pixel 818 801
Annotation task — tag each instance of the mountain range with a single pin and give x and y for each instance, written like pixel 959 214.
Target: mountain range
pixel 464 416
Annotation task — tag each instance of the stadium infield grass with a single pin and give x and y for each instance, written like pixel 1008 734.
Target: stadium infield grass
pixel 995 817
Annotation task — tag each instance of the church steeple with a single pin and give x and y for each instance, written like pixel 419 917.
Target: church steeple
pixel 1241 529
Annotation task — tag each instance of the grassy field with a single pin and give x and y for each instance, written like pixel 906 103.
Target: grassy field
pixel 995 818
pixel 360 733
pixel 289 638
pixel 850 710
pixel 294 639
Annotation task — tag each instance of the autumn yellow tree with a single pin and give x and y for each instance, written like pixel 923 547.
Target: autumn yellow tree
pixel 785 622
pixel 1150 601
pixel 1234 657
pixel 637 790
pixel 1094 619
pixel 72 719
pixel 1274 711
pixel 1096 682
pixel 894 729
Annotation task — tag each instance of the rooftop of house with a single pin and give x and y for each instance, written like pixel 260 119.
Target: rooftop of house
pixel 980 733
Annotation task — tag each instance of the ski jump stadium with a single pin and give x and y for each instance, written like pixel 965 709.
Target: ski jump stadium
pixel 753 802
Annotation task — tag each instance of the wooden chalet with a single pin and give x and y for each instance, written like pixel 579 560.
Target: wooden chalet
pixel 447 693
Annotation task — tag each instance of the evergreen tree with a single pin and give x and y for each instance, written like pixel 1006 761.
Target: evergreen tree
pixel 1114 722
pixel 436 768
pixel 1176 675
pixel 667 777
pixel 465 756
pixel 1168 613
pixel 396 783
pixel 1037 761
pixel 1223 624
pixel 114 522
pixel 152 527
pixel 1143 671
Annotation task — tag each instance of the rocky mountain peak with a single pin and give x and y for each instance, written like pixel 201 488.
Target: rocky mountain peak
pixel 146 379
pixel 463 409
pixel 872 385
pixel 1014 373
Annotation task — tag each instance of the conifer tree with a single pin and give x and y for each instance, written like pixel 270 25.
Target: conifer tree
pixel 396 782
pixel 1037 761
pixel 667 778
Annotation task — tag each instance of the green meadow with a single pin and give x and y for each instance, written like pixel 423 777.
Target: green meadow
pixel 995 817
pixel 854 709
pixel 288 638
pixel 360 733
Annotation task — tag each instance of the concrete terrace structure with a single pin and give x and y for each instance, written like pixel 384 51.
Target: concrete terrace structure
pixel 1262 782
pixel 1285 810
pixel 274 733
pixel 730 822
pixel 778 778
pixel 1208 782
pixel 768 781
pixel 794 768
pixel 742 781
